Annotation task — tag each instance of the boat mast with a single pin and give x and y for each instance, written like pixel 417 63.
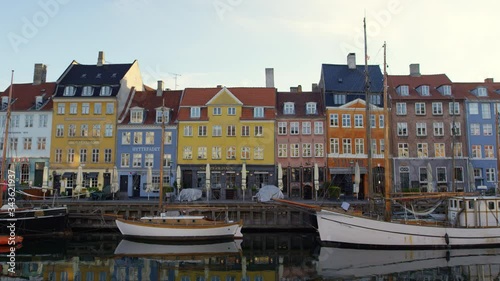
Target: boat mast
pixel 162 148
pixel 453 176
pixel 368 122
pixel 387 162
pixel 6 138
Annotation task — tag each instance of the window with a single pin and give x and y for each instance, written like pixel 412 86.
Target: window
pixel 125 137
pixel 382 146
pixel 258 153
pixel 59 130
pixel 167 160
pixel 125 160
pixel 439 150
pixel 438 128
pixel 334 120
pixel 25 172
pixel 373 121
pixel 231 131
pixel 14 122
pixel 217 131
pixel 69 91
pixel 490 174
pixel 217 111
pixel 489 152
pixel 374 146
pixel 289 108
pixel 475 129
pixel 403 150
pixel 311 108
pixel 83 155
pixel 73 109
pixel 150 138
pixel 401 108
pixel 437 108
pixel 441 174
pixel 347 146
pixel 458 149
pixel 97 108
pixel 481 92
pixel 403 90
pixel 202 152
pixel 486 111
pixel 420 108
pixel 231 153
pixel 422 174
pixel 245 153
pixel 306 150
pixel 136 116
pixel 294 150
pixel 454 108
pixel 282 128
pixel 95 155
pixel 445 90
pixel 334 146
pixel 294 128
pixel 424 90
pixel 96 130
pixel 108 130
pixel 41 143
pixel 381 122
pixel 306 128
pixel 137 160
pixel 319 150
pixel 358 121
pixel 58 155
pixel 282 150
pixel 105 91
pixel 476 151
pixel 359 146
pixel 195 112
pixel 339 99
pixel 85 108
pixel 84 130
pixel 216 152
pixel 346 120
pixel 487 129
pixel 258 112
pixel 110 108
pixel 71 155
pixel 43 120
pixel 28 121
pixel 188 131
pixel 473 108
pixel 318 128
pixel 72 130
pixel 202 131
pixel 455 129
pixel 231 111
pixel 27 143
pixel 421 129
pixel 402 129
pixel 375 98
pixel 162 115
pixel 137 137
pixel 422 150
pixel 108 158
pixel 259 132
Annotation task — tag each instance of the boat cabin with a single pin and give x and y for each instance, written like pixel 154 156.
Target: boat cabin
pixel 474 211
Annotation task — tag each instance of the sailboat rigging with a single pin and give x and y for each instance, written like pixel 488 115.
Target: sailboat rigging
pixel 5 139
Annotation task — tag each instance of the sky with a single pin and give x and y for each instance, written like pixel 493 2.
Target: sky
pixel 204 43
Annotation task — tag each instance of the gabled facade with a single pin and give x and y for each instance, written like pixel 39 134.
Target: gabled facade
pixel 343 89
pixel 139 141
pixel 428 130
pixel 28 147
pixel 87 102
pixel 226 127
pixel 481 111
pixel 300 142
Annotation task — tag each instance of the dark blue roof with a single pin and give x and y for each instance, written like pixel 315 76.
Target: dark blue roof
pixel 339 78
pixel 107 74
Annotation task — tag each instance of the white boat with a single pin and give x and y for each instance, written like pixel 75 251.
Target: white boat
pixel 179 227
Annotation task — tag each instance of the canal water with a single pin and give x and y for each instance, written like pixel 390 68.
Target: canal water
pixel 259 256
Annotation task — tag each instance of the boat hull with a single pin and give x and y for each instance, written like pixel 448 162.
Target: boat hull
pixel 35 222
pixel 354 231
pixel 159 231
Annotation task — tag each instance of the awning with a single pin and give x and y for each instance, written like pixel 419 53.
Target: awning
pixel 68 175
pixel 92 175
pixel 345 171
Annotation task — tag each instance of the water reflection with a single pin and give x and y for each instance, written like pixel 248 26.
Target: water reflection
pixel 259 256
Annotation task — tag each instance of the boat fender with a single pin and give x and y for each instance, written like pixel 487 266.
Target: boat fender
pixel 447 256
pixel 447 239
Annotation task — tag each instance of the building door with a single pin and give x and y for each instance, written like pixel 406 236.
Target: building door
pixel 124 183
pixel 107 179
pixel 187 179
pixel 38 179
pixel 308 192
pixel 136 185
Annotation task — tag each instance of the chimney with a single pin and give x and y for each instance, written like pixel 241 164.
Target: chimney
pixel 351 61
pixel 219 86
pixel 488 80
pixel 269 77
pixel 299 88
pixel 100 58
pixel 159 90
pixel 415 69
pixel 40 74
pixel 314 87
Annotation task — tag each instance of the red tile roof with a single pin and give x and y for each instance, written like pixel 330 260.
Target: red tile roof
pixel 466 88
pixel 433 81
pixel 24 95
pixel 150 101
pixel 300 99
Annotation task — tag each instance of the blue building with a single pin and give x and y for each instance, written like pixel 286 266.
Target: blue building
pixel 139 141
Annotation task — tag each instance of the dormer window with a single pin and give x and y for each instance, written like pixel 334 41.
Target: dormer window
pixel 105 91
pixel 98 76
pixel 162 112
pixel 403 90
pixel 311 108
pixel 289 108
pixel 69 91
pixel 424 90
pixel 445 90
pixel 258 112
pixel 38 102
pixel 195 112
pixel 5 103
pixel 87 91
pixel 136 115
pixel 481 92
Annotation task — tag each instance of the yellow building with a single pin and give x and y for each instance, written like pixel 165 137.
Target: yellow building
pixel 88 101
pixel 226 128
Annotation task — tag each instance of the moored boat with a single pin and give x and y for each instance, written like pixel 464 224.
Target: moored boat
pixel 34 221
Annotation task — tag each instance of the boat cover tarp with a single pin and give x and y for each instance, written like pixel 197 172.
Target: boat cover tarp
pixel 189 194
pixel 268 192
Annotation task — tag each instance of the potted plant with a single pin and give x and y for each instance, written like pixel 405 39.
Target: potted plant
pixel 334 192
